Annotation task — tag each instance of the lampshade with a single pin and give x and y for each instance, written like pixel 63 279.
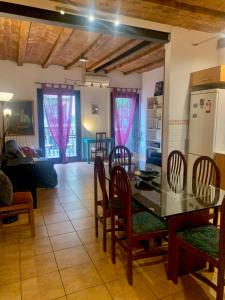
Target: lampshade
pixel 7 112
pixel 5 96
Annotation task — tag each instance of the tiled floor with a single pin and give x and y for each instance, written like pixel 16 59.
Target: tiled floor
pixel 66 261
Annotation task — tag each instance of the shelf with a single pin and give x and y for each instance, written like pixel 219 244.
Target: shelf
pixel 155 148
pixel 154 141
pixel 152 109
pixel 153 128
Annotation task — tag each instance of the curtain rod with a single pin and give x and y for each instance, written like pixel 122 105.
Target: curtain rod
pixel 109 87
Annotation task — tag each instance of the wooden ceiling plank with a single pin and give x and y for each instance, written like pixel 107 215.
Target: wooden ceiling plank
pixel 84 53
pixel 134 58
pixel 23 39
pixel 189 7
pixel 109 55
pixel 138 69
pixel 45 64
pixel 82 23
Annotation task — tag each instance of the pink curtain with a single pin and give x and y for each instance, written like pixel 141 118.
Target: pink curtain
pixel 124 102
pixel 58 109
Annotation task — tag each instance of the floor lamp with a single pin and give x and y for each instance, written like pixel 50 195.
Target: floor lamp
pixel 4 97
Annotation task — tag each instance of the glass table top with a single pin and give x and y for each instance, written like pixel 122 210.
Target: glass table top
pixel 156 194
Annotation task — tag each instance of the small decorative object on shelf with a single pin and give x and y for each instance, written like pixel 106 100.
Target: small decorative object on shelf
pixel 154 125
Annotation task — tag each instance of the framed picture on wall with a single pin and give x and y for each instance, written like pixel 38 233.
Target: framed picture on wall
pixel 21 121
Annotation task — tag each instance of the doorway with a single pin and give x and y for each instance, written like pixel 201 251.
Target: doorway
pixel 52 128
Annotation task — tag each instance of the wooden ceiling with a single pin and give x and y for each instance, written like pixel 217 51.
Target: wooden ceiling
pixel 203 15
pixel 45 45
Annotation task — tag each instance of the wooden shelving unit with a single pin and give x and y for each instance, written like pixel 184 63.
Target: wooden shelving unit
pixel 154 125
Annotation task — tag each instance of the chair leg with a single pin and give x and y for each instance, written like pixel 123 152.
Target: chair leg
pixel 104 230
pixel 113 243
pixel 31 220
pixel 220 283
pixel 176 263
pixel 129 266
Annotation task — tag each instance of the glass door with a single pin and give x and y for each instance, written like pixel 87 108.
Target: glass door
pixel 51 132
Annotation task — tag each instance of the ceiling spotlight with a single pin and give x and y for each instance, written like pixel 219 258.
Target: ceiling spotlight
pixel 116 22
pixel 91 18
pixel 62 12
pixel 83 59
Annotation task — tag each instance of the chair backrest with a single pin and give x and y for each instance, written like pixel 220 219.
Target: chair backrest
pixel 120 156
pixel 120 187
pixel 176 171
pixel 100 141
pixel 205 173
pixel 99 176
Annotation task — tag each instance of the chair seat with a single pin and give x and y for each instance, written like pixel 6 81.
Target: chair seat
pixel 204 238
pixel 144 222
pixel 19 198
pixel 135 205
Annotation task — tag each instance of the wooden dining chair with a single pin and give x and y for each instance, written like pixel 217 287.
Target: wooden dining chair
pixel 100 145
pixel 207 243
pixel 206 173
pixel 129 228
pixel 102 203
pixel 120 155
pixel 99 177
pixel 22 203
pixel 176 171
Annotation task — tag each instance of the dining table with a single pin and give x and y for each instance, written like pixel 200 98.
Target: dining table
pixel 179 206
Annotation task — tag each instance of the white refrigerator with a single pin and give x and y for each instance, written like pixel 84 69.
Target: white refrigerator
pixel 206 124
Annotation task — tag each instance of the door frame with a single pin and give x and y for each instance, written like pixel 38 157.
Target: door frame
pixel 41 130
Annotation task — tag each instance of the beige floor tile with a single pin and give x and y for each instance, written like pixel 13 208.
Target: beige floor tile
pixel 65 240
pixel 120 289
pixel 55 218
pixel 87 236
pixel 9 273
pixel 52 210
pixel 10 291
pixel 95 251
pixel 71 257
pixel 78 213
pixel 95 293
pixel 83 223
pixel 37 265
pixel 45 287
pixel 68 206
pixel 31 247
pixel 60 228
pixel 39 220
pixel 70 199
pixel 80 277
pixel 110 271
pixel 40 232
pixel 160 287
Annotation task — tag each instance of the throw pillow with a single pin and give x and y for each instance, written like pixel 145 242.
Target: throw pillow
pixel 6 189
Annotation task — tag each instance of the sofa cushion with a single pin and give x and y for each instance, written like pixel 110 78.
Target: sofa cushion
pixel 6 189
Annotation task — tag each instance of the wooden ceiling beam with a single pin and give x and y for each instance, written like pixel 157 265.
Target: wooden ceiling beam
pixel 82 23
pixel 24 35
pixel 123 55
pixel 149 65
pixel 134 58
pixel 84 53
pixel 101 61
pixel 45 64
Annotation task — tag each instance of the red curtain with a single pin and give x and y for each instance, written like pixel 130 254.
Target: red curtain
pixel 58 109
pixel 124 102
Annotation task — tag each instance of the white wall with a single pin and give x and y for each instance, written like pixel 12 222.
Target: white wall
pixel 182 58
pixel 21 81
pixel 149 80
